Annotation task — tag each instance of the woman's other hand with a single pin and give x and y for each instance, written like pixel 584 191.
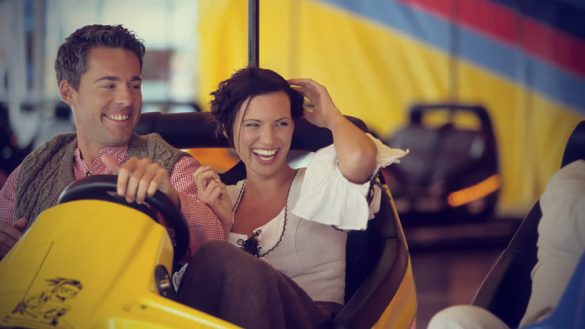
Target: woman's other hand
pixel 212 192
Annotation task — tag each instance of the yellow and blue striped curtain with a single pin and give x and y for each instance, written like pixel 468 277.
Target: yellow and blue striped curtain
pixel 522 59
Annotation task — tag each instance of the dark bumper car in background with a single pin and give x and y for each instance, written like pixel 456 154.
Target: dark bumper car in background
pixel 452 170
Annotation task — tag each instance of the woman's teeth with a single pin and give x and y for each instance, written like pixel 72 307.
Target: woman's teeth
pixel 264 154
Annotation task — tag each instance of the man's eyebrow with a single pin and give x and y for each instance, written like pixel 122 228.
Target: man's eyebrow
pixel 107 78
pixel 114 78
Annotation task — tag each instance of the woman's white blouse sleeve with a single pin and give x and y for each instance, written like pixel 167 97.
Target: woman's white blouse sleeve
pixel 329 198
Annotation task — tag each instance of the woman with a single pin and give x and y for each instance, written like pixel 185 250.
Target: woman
pixel 291 222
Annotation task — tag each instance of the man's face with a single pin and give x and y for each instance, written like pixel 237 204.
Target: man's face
pixel 106 106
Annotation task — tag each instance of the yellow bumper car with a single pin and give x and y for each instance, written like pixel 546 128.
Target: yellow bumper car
pixel 93 261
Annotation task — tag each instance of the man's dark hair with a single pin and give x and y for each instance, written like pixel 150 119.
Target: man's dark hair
pixel 71 62
pixel 247 83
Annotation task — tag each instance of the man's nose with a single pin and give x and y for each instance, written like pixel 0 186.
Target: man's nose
pixel 124 96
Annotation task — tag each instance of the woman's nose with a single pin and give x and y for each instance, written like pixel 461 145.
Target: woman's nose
pixel 267 135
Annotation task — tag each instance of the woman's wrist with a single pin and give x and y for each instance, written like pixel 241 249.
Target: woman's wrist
pixel 335 120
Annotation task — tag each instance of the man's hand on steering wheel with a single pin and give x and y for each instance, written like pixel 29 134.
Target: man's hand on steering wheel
pixel 139 178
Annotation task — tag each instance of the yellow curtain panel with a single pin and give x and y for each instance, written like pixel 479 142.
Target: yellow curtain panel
pixel 378 57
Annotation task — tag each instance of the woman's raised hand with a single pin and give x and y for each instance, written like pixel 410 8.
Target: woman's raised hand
pixel 323 112
pixel 356 153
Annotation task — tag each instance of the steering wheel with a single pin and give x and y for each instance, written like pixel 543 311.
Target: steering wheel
pixel 103 187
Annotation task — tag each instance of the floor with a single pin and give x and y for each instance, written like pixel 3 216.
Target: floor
pixel 450 261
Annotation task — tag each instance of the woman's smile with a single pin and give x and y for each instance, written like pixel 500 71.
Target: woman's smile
pixel 265 154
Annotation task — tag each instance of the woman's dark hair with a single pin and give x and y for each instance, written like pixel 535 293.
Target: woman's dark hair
pixel 246 83
pixel 71 62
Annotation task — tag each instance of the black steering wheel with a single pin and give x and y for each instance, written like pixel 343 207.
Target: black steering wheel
pixel 103 187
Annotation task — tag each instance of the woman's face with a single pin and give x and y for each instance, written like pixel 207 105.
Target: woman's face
pixel 263 131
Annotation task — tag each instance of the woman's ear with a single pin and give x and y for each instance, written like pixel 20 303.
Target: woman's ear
pixel 227 137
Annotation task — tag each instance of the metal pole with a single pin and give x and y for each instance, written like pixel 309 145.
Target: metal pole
pixel 253 33
pixel 454 53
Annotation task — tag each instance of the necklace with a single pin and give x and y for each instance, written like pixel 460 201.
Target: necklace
pixel 251 245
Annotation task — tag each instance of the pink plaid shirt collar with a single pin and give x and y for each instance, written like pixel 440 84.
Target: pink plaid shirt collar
pixel 97 167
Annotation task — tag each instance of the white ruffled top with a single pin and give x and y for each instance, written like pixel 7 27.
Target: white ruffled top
pixel 322 204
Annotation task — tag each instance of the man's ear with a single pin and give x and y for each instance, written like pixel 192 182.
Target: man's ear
pixel 67 92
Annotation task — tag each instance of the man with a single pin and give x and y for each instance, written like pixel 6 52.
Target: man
pixel 99 76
